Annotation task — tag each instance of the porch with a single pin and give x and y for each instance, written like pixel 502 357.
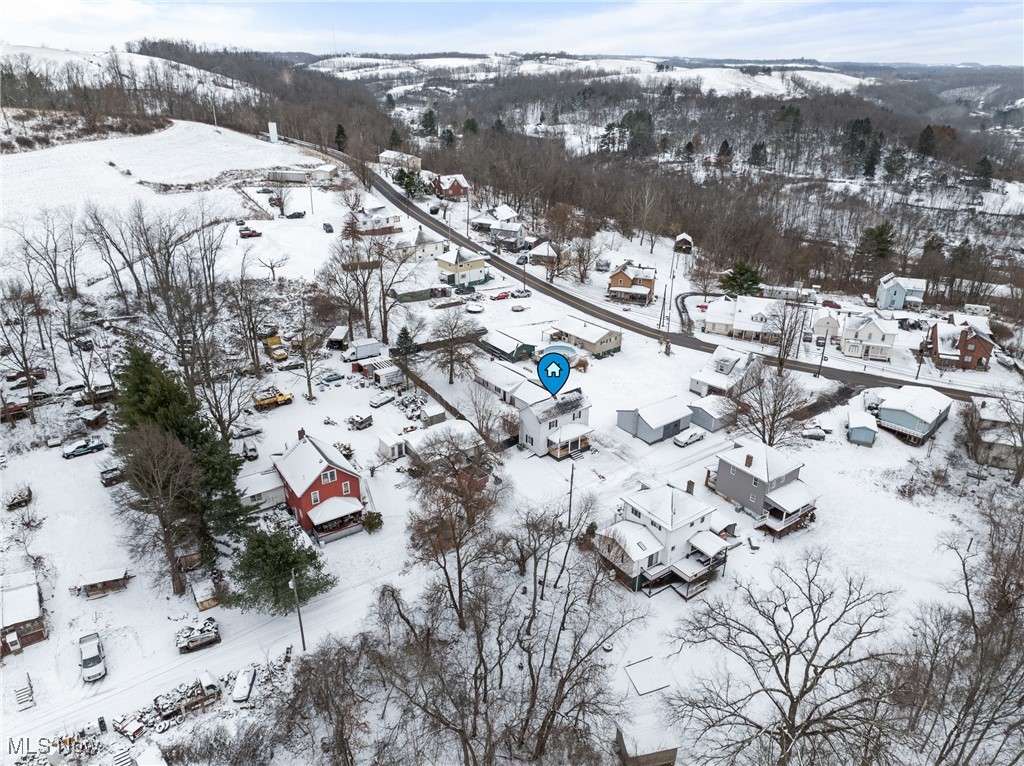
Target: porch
pixel 336 517
pixel 631 294
pixel 570 439
pixel 788 508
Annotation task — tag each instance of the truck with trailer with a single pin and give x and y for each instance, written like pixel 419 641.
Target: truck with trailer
pixel 363 348
pixel 270 398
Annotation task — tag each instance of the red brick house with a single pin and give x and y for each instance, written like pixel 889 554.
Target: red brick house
pixel 961 346
pixel 451 187
pixel 321 488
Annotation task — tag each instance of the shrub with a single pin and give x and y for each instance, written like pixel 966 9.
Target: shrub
pixel 372 521
pixel 25 142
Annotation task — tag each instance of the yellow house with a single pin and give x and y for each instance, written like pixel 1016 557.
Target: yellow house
pixel 463 267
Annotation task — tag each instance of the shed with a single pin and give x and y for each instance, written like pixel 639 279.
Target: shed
pixel 96 418
pixel 656 422
pixel 22 611
pixel 205 593
pixel 432 413
pixel 390 446
pixel 324 172
pixel 339 338
pixel 712 413
pixel 861 428
pixel 100 582
pixel 684 244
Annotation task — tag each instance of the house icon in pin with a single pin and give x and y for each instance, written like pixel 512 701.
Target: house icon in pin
pixel 554 371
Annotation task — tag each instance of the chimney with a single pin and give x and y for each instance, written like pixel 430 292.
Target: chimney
pixel 302 435
pixel 749 461
pixel 689 487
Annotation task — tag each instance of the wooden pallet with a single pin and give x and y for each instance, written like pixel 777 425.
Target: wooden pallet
pixel 23 695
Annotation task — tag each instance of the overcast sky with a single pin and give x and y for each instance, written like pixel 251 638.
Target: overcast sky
pixel 990 32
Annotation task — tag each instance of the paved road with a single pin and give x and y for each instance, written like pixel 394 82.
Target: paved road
pixel 612 316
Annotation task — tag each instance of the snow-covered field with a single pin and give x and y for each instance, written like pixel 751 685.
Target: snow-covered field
pixel 860 518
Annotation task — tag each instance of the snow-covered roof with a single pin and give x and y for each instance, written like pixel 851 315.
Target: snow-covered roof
pixel 861 419
pixel 464 255
pixel 721 311
pixel 447 181
pixel 503 213
pixel 910 284
pixel 684 238
pixel 19 598
pixel 752 312
pixel 390 438
pixel 998 410
pixel 664 412
pixel 334 508
pixel 390 155
pixel 636 540
pixel 568 433
pixel 631 290
pixel 586 330
pixel 562 404
pixel 505 377
pixel 768 463
pixel 718 407
pixel 793 496
pixel 717 521
pixel 860 321
pixel 340 332
pixel 979 323
pixel 925 404
pixel 670 507
pixel 531 393
pixel 304 461
pixel 258 483
pixel 507 228
pixel 104 575
pixel 461 430
pixel 636 272
pixel 708 542
pixel 544 250
pixel 326 168
pixel 733 363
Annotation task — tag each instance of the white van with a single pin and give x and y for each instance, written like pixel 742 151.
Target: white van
pixel 975 309
pixel 243 684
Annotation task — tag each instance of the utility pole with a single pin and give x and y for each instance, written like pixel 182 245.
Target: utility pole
pixel 298 609
pixel 572 479
pixel 823 349
pixel 309 183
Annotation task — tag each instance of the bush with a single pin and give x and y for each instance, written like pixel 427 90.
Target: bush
pixel 25 142
pixel 372 521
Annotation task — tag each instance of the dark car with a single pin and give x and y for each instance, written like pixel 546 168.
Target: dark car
pixel 84 447
pixel 434 209
pixel 295 364
pixel 297 214
pixel 239 223
pixel 250 233
pixel 522 260
pixel 465 290
pixel 24 383
pixel 830 305
pixel 328 228
pixel 264 190
pixel 40 396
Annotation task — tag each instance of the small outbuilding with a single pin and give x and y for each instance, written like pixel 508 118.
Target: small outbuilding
pixel 861 428
pixel 656 422
pixel 712 413
pixel 684 244
pixel 21 605
pixel 103 581
pixel 339 338
pixel 390 446
pixel 432 413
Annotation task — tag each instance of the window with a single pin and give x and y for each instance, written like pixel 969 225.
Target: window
pixel 970 347
pixel 635 512
pixel 655 525
pixel 529 440
pixel 968 358
pixel 691 523
pixel 315 497
pixel 346 488
pixel 753 499
pixel 871 335
pixel 641 546
pixel 328 476
pixel 753 482
pixel 732 470
pixel 577 415
pixel 552 425
pixel 620 280
pixel 701 519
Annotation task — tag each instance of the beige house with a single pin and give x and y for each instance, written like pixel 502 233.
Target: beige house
pixel 632 284
pixel 596 339
pixel 461 266
pixel 400 160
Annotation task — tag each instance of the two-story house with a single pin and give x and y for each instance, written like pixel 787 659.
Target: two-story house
pixel 666 534
pixel 825 323
pixel 869 337
pixel 461 266
pixel 321 488
pixel 632 284
pixel 453 187
pixel 508 235
pixel 898 293
pixel 962 346
pixel 375 221
pixel 556 426
pixel 766 484
pixel 727 373
pixel 1000 432
pixel 492 216
pixel 424 243
pixel 594 338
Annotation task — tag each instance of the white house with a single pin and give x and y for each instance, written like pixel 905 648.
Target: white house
pixel 825 323
pixel 746 317
pixel 723 372
pixel 375 221
pixel 494 215
pixel 899 292
pixel 593 337
pixel 511 235
pixel 324 172
pixel 400 160
pixel 556 426
pixel 261 490
pixel 424 243
pixel 664 532
pixel 1000 440
pixel 501 378
pixel 869 337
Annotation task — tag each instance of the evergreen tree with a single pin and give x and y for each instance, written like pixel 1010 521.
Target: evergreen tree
pixel 741 280
pixel 411 182
pixel 985 170
pixel 372 521
pixel 895 164
pixel 263 571
pixel 394 140
pixel 541 120
pixel 874 154
pixel 428 122
pixel 855 140
pixel 405 347
pixel 876 244
pixel 447 138
pixel 340 139
pixel 470 126
pixel 724 156
pixel 389 101
pixel 499 126
pixel 758 154
pixel 689 151
pixel 926 142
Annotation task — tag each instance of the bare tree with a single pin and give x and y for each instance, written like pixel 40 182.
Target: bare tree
pixel 785 326
pixel 282 194
pixel 248 301
pixel 16 302
pixel 484 412
pixel 308 342
pixel 584 255
pixel 166 485
pixel 273 262
pixel 805 655
pixel 704 276
pixel 770 404
pixel 1005 412
pixel 350 276
pixel 396 266
pixel 455 335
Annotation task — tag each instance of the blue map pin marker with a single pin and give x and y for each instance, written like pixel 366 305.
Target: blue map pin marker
pixel 553 371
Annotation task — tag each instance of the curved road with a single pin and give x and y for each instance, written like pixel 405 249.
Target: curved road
pixel 394 196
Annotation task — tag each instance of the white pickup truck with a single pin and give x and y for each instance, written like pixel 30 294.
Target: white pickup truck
pixel 93 667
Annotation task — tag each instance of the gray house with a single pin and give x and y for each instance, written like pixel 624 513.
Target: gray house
pixel 656 422
pixel 766 484
pixel 898 293
pixel 913 413
pixel 713 412
pixel 861 428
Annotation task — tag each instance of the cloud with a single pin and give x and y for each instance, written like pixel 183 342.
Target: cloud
pixel 938 32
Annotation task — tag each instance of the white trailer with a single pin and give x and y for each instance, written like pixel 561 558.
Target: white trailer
pixel 363 348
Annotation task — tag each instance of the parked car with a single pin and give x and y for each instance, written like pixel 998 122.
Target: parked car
pixel 91 660
pixel 465 290
pixel 328 228
pixel 815 434
pixel 501 296
pixel 111 476
pixel 688 437
pixel 518 307
pixel 40 396
pixel 294 364
pixel 84 344
pixel 382 398
pixel 297 214
pixel 829 304
pixel 475 308
pixel 244 432
pixel 239 223
pixel 434 209
pixel 249 451
pixel 264 190
pixel 250 233
pixel 522 292
pixel 82 447
pixel 333 377
pixel 243 684
pixel 702 306
pixel 808 337
pixel 38 373
pixel 522 260
pixel 820 341
pixel 24 383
